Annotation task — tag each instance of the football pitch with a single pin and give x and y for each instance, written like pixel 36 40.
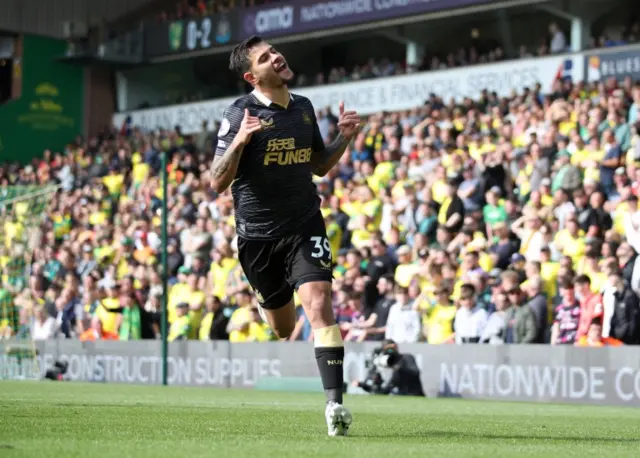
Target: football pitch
pixel 53 419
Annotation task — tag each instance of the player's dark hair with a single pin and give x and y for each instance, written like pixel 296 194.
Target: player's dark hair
pixel 239 61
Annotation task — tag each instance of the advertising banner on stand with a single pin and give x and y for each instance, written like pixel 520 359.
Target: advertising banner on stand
pixel 287 18
pixel 533 373
pixel 384 94
pixel 616 64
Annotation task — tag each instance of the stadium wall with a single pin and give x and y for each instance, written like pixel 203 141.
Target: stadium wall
pixel 600 376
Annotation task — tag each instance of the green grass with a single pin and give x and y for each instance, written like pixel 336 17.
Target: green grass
pixel 48 419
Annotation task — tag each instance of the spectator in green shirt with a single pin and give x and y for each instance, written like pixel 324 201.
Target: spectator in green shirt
pixel 494 211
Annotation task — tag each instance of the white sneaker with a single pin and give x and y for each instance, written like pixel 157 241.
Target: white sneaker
pixel 338 419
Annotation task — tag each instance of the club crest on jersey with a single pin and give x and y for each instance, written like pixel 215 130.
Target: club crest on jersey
pixel 306 118
pixel 267 123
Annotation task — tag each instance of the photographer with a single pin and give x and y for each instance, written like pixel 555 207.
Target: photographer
pixel 390 372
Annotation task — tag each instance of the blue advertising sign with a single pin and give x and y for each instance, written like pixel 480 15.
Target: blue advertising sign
pixel 619 65
pixel 288 18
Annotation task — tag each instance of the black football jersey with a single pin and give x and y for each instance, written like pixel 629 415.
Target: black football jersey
pixel 273 192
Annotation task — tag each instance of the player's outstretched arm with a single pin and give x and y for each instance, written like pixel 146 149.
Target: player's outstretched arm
pixel 225 165
pixel 327 157
pixel 325 160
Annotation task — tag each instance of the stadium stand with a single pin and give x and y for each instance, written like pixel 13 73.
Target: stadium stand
pixel 515 219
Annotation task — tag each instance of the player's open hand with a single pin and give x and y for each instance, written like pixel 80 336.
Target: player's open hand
pixel 249 126
pixel 348 122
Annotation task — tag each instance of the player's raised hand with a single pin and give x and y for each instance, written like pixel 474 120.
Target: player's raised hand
pixel 348 122
pixel 249 126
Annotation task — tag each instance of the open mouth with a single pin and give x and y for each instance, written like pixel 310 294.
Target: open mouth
pixel 280 67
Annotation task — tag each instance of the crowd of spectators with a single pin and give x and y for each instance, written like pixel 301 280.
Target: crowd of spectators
pixel 493 221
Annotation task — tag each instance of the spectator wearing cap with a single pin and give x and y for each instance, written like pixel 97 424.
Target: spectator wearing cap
pixel 470 319
pixel 521 326
pixel 567 316
pixel 517 265
pixel 180 328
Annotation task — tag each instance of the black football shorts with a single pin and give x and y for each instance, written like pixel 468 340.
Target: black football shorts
pixel 275 268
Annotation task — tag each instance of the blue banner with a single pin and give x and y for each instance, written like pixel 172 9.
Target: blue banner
pixel 619 65
pixel 288 18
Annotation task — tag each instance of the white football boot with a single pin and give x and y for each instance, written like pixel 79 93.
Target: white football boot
pixel 338 419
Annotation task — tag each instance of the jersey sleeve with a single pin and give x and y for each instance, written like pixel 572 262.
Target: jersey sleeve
pixel 229 127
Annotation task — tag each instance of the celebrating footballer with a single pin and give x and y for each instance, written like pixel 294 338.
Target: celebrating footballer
pixel 269 147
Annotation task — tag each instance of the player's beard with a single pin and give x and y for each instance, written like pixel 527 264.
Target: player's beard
pixel 281 79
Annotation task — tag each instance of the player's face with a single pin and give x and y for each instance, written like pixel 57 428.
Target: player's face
pixel 268 67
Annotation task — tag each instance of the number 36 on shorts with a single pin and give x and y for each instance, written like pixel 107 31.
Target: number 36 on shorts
pixel 321 248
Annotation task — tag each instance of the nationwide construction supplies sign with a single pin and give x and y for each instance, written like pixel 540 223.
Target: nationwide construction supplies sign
pixel 539 373
pixel 384 94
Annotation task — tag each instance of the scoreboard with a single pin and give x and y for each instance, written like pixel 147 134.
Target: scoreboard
pixel 188 35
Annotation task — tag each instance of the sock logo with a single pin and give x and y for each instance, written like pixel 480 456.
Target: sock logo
pixel 334 362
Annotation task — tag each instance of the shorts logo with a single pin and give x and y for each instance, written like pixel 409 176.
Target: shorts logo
pixel 325 264
pixel 306 118
pixel 267 123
